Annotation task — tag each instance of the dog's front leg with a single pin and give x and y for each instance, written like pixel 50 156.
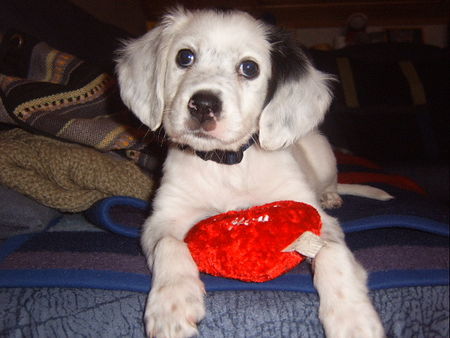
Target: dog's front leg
pixel 175 303
pixel 345 308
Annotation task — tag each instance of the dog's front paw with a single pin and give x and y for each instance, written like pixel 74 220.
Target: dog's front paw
pixel 174 309
pixel 352 320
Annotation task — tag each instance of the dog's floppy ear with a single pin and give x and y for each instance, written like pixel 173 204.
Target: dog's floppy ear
pixel 141 68
pixel 298 95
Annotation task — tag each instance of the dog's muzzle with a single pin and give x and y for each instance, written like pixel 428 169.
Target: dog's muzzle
pixel 205 108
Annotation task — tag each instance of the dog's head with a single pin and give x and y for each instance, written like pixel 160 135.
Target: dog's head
pixel 215 78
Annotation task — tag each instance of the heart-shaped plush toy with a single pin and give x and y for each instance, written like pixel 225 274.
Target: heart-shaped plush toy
pixel 248 244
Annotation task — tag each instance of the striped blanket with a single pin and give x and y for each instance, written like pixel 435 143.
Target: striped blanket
pixel 403 242
pixel 56 94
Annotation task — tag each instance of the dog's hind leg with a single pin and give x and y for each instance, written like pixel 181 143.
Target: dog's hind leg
pixel 330 199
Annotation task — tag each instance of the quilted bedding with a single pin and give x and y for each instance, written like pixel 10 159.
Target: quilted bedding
pixel 406 312
pixel 66 303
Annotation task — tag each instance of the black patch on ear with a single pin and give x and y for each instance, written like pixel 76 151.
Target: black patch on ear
pixel 289 61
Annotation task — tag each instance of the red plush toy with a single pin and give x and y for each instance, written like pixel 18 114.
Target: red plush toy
pixel 251 244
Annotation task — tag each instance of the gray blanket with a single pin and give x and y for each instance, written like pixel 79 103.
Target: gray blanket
pixel 54 312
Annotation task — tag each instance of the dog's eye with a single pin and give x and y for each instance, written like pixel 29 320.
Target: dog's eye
pixel 249 69
pixel 185 58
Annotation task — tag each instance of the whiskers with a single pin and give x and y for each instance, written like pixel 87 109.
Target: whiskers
pixel 254 138
pixel 158 137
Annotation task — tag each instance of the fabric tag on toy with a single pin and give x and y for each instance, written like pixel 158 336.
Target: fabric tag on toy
pixel 308 245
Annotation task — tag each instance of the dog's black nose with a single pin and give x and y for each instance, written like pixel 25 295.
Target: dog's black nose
pixel 204 106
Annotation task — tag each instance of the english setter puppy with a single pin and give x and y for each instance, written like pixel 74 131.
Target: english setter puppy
pixel 240 103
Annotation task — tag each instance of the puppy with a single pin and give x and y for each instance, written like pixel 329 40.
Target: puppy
pixel 240 103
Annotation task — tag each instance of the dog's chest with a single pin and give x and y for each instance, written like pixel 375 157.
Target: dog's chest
pixel 258 179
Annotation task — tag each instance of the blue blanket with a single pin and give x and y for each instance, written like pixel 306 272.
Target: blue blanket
pixel 398 250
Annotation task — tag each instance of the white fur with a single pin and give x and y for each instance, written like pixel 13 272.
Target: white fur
pixel 291 162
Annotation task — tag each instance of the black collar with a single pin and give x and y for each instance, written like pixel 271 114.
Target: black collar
pixel 223 156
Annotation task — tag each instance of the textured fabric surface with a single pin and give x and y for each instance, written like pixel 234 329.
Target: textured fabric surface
pixel 33 216
pixel 64 176
pixel 420 312
pixel 56 93
pixel 56 79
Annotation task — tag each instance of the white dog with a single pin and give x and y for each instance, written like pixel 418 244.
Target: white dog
pixel 240 104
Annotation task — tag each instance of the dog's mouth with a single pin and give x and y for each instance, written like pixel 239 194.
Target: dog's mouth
pixel 202 140
pixel 197 138
pixel 202 135
pixel 202 127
